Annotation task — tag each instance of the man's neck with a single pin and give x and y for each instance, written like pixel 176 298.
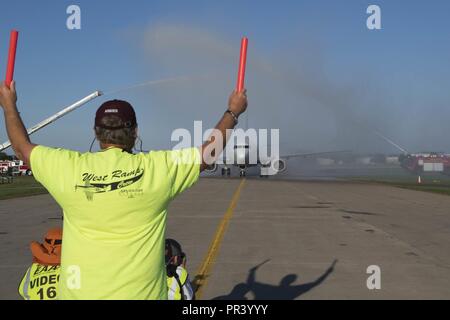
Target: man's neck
pixel 105 146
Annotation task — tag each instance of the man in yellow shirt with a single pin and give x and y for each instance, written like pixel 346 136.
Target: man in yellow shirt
pixel 41 280
pixel 115 202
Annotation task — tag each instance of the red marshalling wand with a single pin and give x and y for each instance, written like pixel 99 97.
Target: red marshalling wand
pixel 11 57
pixel 242 63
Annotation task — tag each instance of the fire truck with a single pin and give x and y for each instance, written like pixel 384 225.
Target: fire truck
pixel 426 162
pixel 15 168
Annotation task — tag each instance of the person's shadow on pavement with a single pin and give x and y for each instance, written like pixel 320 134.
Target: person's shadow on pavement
pixel 284 291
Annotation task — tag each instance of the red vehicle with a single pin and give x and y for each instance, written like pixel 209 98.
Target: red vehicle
pixel 15 167
pixel 25 170
pixel 426 162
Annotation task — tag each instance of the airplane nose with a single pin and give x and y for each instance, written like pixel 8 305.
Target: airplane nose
pixel 240 156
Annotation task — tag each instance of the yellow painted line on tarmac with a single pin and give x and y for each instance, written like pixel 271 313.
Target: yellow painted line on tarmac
pixel 205 269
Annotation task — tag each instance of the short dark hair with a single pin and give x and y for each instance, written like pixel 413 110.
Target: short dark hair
pixel 124 137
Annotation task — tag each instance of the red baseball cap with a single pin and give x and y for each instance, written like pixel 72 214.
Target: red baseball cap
pixel 119 108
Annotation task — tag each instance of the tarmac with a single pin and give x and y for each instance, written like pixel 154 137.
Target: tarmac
pixel 281 239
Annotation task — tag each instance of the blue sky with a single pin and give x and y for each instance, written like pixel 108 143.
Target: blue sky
pixel 313 66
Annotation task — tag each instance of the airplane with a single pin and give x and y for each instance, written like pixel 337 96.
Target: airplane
pixel 242 159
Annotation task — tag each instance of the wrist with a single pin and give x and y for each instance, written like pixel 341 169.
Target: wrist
pixel 236 112
pixel 11 113
pixel 232 114
pixel 8 107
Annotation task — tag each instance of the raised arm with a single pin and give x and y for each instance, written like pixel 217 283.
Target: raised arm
pixel 17 133
pixel 213 147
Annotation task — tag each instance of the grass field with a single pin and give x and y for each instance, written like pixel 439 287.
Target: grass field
pixel 442 189
pixel 430 183
pixel 21 187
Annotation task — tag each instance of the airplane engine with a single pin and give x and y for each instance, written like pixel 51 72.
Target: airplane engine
pixel 278 165
pixel 212 168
